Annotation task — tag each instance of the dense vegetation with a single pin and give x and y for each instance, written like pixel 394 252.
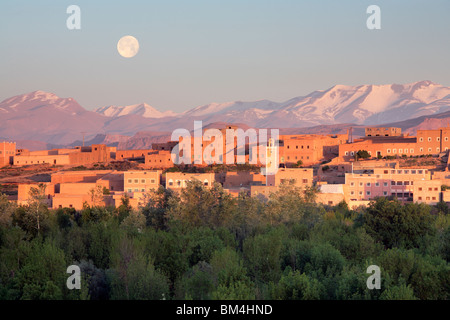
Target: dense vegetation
pixel 204 244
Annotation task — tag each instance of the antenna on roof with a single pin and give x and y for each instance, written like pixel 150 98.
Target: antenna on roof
pixel 83 133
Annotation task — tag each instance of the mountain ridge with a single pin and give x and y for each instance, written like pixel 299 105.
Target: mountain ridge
pixel 43 116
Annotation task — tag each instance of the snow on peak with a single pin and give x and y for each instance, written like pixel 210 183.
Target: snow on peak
pixel 142 109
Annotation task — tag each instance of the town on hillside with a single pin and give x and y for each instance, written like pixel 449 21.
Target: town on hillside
pixel 383 163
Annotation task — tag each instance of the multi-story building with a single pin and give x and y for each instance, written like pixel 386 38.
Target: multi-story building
pixel 7 152
pixel 131 154
pixel 141 181
pixel 427 191
pixel 385 182
pixel 299 177
pixel 309 149
pixel 383 132
pixel 97 153
pixel 380 147
pixel 158 159
pixel 177 180
pixel 433 141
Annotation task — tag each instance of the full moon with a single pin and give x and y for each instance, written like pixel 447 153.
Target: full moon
pixel 128 46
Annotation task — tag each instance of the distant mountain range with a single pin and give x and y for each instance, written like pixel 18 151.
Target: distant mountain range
pixel 41 117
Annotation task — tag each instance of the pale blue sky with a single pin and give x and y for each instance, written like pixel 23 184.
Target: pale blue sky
pixel 194 52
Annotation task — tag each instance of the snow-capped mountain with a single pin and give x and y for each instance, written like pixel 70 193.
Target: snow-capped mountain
pixel 365 104
pixel 46 117
pixel 142 109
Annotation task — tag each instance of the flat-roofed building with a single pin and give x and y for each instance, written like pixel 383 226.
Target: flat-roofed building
pixel 379 147
pixel 141 181
pixel 97 153
pixel 427 191
pixel 383 132
pixel 299 177
pixel 7 152
pixel 177 180
pixel 385 182
pixel 158 159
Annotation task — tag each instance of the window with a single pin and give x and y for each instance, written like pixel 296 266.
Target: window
pixel 429 149
pixel 384 193
pixel 368 193
pixel 400 150
pixel 429 139
pixel 377 184
pixel 399 183
pixel 433 198
pixel 360 193
pixel 305 180
pixel 420 188
pixel 388 150
pixel 435 189
pixel 406 183
pixel 438 139
pixel 421 149
pixel 394 150
pixel 152 181
pixel 205 183
pixel 346 153
pixel 392 183
pixel 136 181
pixel 142 190
pixel 130 181
pixel 143 181
pixel 170 182
pixel 406 171
pixel 130 190
pixel 411 150
pixel 399 171
pixel 385 184
pixel 420 198
pixel 446 139
pixel 368 184
pixel 361 184
pixel 352 192
pixel 352 184
pixel 438 149
pixel 413 171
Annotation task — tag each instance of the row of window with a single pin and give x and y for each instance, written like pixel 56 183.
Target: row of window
pixel 179 183
pixel 431 149
pixel 406 171
pixel 143 181
pixel 150 160
pixel 401 151
pixel 430 189
pixel 385 184
pixel 296 158
pixel 437 139
pixel 296 147
pixel 7 152
pixel 293 181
